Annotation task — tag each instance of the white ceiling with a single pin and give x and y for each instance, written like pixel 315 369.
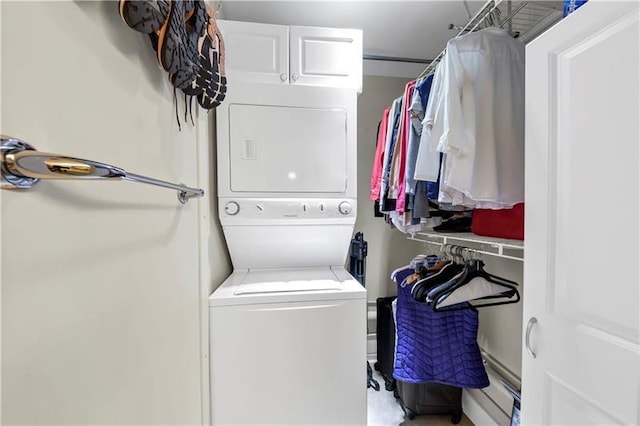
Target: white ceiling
pixel 407 29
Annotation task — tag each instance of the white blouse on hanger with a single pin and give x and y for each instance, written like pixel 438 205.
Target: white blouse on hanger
pixel 475 116
pixel 483 137
pixel 428 159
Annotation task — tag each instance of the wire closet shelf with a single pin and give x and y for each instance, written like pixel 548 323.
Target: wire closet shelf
pixel 522 19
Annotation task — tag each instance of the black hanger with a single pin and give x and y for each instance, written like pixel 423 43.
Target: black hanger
pixel 445 274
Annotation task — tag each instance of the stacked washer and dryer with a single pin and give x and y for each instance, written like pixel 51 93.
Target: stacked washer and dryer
pixel 288 327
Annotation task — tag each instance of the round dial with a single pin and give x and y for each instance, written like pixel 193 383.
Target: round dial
pixel 232 208
pixel 344 207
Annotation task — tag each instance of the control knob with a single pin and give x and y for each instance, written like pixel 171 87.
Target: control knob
pixel 232 208
pixel 344 207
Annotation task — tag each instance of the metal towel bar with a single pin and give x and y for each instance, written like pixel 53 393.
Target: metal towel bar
pixel 22 167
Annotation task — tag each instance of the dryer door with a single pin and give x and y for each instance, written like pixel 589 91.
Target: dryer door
pixel 287 149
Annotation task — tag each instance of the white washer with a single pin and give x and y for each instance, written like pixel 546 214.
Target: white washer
pixel 288 327
pixel 288 346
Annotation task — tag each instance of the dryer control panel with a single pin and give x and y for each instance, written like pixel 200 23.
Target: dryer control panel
pixel 260 208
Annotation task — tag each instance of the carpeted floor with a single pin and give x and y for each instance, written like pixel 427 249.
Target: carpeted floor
pixel 383 410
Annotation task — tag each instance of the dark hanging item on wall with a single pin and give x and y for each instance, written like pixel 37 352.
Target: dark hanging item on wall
pixel 144 16
pixel 358 258
pixel 188 43
pixel 175 54
pixel 211 83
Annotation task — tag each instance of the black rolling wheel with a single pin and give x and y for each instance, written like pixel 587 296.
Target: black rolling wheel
pixel 389 385
pixel 455 419
pixel 377 366
pixel 409 413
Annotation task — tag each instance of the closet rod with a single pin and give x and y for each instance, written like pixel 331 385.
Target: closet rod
pixel 396 59
pixel 22 167
pixel 498 253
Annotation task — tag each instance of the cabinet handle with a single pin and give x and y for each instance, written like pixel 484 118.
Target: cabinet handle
pixel 283 76
pixel 532 321
pixel 295 77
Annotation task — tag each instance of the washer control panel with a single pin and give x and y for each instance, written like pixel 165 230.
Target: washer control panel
pixel 287 208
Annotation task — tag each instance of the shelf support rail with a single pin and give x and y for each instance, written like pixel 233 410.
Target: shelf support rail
pixel 446 240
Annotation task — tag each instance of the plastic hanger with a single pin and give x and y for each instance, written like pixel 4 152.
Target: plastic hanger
pixel 422 286
pixel 449 280
pixel 478 287
pixel 418 263
pixel 445 274
pixel 398 270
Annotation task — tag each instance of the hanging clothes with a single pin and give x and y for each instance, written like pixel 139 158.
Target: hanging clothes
pixel 416 114
pixel 454 141
pixel 482 112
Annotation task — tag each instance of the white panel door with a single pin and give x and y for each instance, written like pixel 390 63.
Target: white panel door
pixel 100 280
pixel 257 53
pixel 582 233
pixel 326 57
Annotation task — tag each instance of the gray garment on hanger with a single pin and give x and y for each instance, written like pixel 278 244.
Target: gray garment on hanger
pixel 420 202
pixel 415 109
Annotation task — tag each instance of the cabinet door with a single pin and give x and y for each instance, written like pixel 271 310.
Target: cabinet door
pixel 582 233
pixel 257 53
pixel 326 57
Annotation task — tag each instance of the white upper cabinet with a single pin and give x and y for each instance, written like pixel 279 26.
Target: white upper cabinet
pixel 325 57
pixel 278 54
pixel 258 53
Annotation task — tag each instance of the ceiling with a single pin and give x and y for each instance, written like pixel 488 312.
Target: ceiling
pixel 406 29
pixel 417 29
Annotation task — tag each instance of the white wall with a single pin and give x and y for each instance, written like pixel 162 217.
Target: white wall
pixel 104 284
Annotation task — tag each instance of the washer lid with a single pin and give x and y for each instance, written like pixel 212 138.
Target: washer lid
pixel 268 286
pixel 287 280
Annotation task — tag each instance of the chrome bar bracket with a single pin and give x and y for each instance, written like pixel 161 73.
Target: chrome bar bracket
pixel 9 180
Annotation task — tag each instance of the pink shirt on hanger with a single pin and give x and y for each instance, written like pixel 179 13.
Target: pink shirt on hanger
pixel 378 159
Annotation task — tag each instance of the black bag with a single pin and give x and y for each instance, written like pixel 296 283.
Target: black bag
pixel 385 341
pixel 430 398
pixel 358 258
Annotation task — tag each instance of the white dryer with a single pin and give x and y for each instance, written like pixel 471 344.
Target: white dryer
pixel 288 327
